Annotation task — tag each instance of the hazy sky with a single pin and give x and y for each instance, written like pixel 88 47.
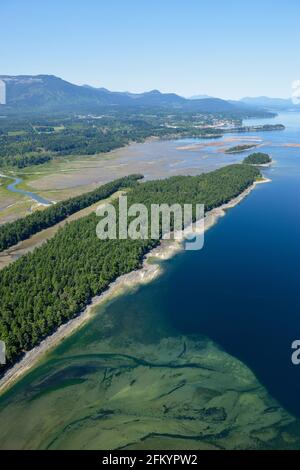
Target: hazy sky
pixel 225 48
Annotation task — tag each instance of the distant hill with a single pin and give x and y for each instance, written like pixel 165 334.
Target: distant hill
pixel 47 93
pixel 269 103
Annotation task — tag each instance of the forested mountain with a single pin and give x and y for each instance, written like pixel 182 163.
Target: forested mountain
pixel 49 93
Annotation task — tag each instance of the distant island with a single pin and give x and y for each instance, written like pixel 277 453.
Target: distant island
pixel 240 148
pixel 258 158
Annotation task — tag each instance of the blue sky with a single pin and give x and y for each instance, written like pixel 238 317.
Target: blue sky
pixel 225 48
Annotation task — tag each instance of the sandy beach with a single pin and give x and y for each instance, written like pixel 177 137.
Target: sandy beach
pixel 221 143
pixel 149 271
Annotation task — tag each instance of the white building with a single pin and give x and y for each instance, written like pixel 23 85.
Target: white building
pixel 2 92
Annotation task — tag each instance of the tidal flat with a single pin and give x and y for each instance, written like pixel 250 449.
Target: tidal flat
pixel 149 271
pixel 121 392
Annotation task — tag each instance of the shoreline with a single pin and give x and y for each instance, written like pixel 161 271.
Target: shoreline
pixel 149 271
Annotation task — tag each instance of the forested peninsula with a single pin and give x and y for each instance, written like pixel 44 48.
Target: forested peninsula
pixel 258 158
pixel 54 283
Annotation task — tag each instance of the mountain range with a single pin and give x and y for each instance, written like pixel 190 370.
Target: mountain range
pixel 41 93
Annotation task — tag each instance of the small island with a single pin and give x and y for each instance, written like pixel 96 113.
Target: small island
pixel 258 158
pixel 240 148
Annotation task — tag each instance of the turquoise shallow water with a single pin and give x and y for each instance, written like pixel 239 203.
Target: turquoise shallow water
pixel 241 291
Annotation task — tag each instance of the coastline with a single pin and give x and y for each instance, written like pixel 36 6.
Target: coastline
pixel 149 271
pixel 263 165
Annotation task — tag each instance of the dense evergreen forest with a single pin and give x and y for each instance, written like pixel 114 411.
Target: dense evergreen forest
pixel 257 158
pixel 14 232
pixel 47 287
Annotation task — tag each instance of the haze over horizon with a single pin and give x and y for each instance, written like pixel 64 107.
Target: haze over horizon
pixel 169 46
